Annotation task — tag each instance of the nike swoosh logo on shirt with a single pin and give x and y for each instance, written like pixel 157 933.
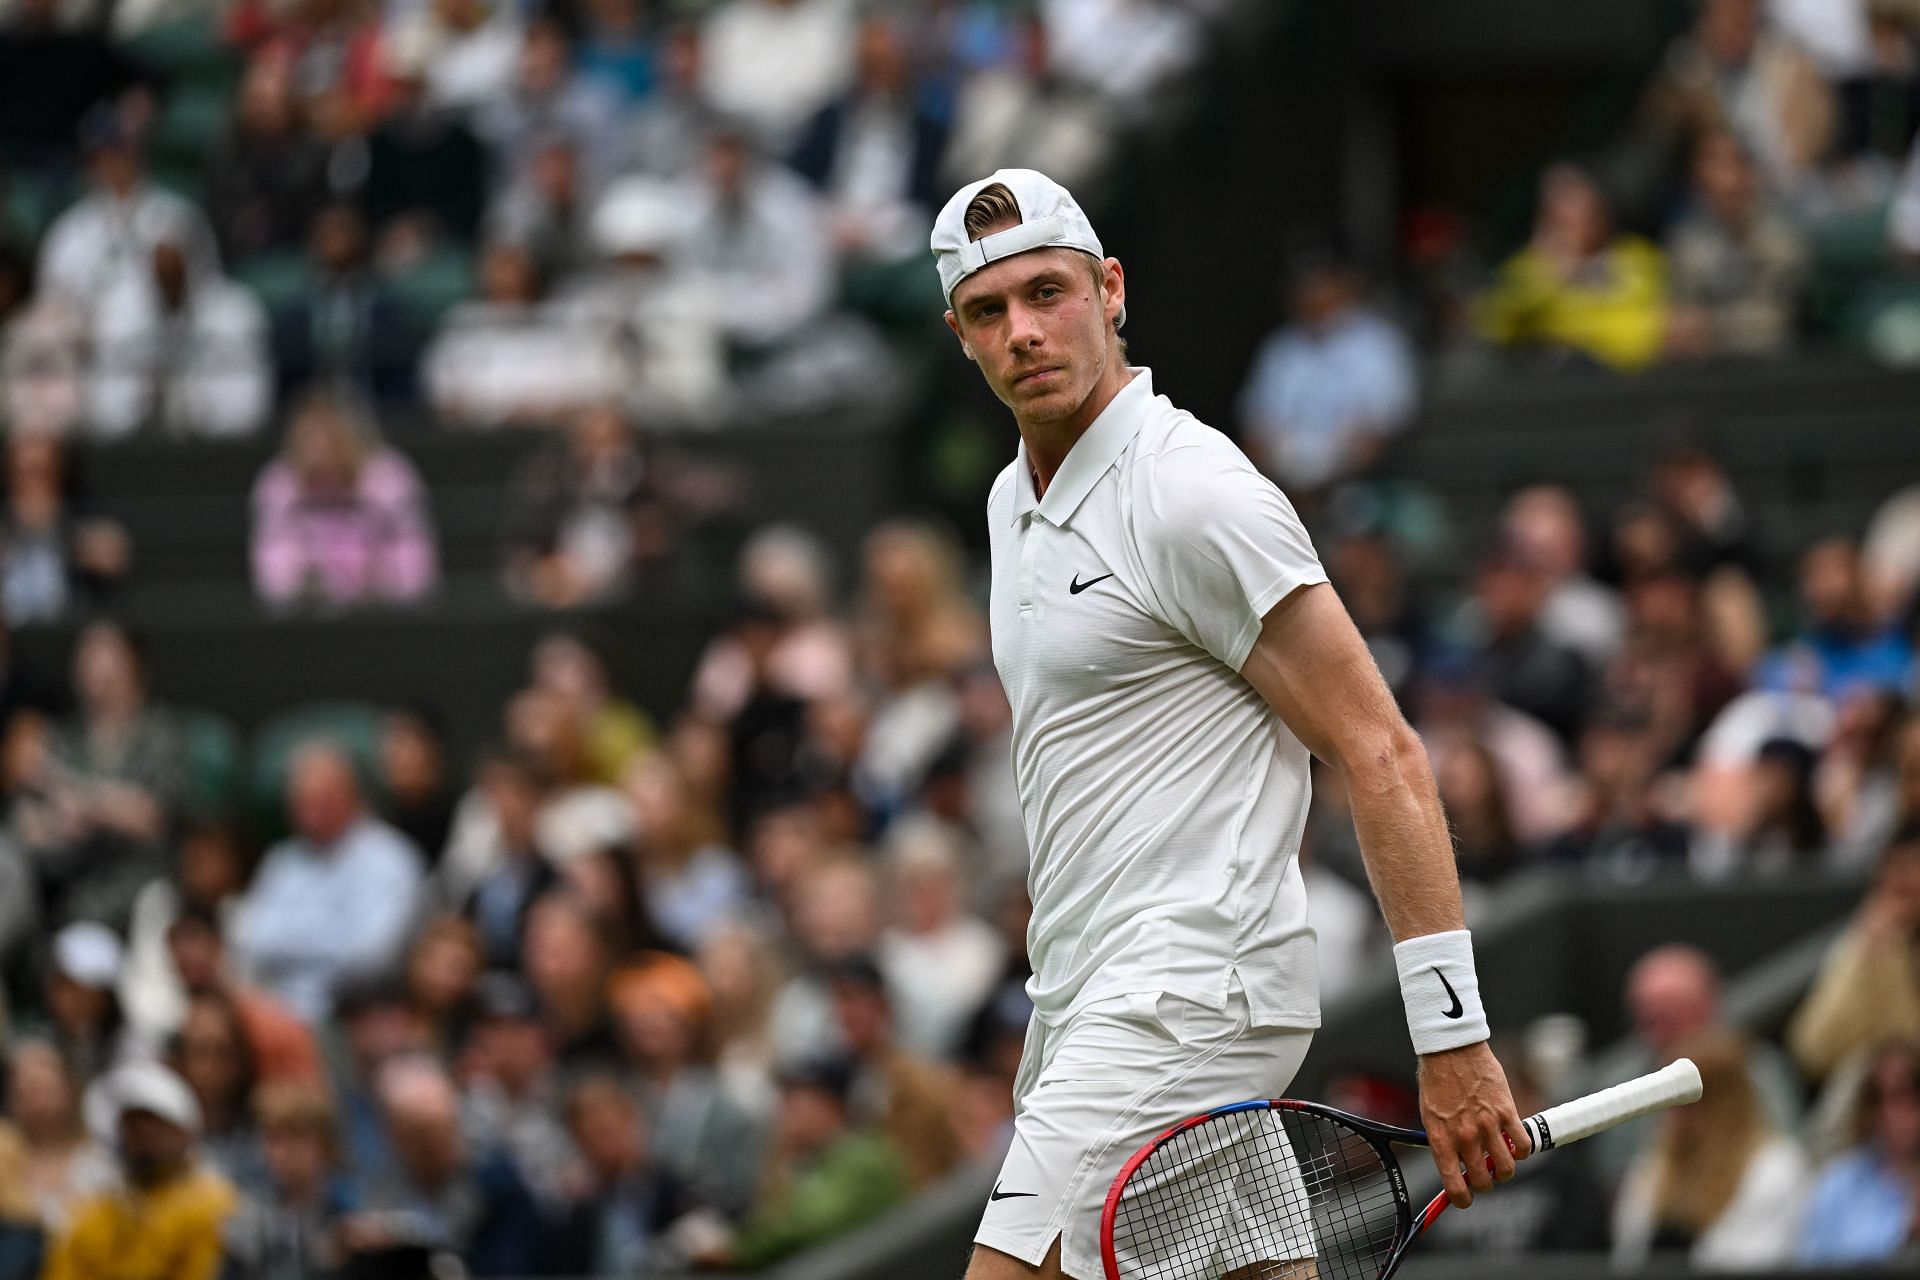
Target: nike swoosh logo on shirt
pixel 1457 1009
pixel 998 1194
pixel 1075 588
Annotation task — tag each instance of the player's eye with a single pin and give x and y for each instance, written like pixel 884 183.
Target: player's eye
pixel 1047 292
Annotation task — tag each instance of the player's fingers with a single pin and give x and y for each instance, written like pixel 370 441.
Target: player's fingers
pixel 1446 1158
pixel 1478 1160
pixel 1519 1137
pixel 1499 1152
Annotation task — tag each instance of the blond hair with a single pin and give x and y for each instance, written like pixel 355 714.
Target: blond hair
pixel 1698 1166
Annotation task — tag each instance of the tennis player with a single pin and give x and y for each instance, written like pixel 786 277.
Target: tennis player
pixel 1174 657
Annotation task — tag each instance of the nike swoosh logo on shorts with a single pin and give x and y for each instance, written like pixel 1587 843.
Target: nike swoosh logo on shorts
pixel 1075 588
pixel 1457 1009
pixel 998 1194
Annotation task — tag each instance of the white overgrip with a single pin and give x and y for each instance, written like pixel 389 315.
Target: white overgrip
pixel 1673 1085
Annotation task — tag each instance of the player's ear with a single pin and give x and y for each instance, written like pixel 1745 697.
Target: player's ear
pixel 953 323
pixel 1114 282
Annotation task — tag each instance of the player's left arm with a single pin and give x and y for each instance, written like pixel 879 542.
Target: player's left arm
pixel 1313 668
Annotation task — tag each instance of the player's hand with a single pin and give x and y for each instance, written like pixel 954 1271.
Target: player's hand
pixel 1472 1124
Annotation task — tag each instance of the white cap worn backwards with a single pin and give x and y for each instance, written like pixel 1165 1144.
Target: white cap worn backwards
pixel 1049 218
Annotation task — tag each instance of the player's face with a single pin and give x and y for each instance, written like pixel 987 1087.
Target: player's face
pixel 1040 328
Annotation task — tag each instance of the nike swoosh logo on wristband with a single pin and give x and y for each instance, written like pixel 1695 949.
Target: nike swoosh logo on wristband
pixel 1458 1008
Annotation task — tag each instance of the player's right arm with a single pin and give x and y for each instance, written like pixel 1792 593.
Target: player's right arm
pixel 1314 669
pixel 1232 568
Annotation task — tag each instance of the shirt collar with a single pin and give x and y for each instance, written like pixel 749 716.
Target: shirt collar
pixel 1097 449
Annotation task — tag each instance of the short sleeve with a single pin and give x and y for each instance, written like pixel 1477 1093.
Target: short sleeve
pixel 1220 543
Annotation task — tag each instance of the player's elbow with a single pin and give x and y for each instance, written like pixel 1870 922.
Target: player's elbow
pixel 1383 760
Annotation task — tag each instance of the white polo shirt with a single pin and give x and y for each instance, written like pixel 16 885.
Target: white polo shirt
pixel 1164 800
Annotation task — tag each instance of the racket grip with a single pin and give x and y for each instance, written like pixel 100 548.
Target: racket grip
pixel 1674 1084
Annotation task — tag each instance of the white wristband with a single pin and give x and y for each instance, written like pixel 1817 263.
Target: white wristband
pixel 1440 991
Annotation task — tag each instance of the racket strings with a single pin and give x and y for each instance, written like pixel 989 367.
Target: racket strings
pixel 1258 1195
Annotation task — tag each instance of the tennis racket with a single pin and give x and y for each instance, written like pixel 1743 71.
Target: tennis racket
pixel 1277 1189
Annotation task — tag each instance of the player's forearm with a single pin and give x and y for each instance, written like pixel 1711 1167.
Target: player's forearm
pixel 1403 837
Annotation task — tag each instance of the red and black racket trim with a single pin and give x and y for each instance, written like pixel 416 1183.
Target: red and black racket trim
pixel 1379 1136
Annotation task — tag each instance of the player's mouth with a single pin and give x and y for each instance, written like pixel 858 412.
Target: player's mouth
pixel 1038 377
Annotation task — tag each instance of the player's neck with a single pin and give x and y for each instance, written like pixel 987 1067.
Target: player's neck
pixel 1048 443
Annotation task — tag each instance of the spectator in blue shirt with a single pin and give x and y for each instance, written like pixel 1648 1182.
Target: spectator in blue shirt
pixel 335 900
pixel 1331 386
pixel 1863 1207
pixel 1842 644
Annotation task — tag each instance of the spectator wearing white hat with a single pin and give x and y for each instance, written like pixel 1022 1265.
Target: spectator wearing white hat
pixel 166 1219
pixel 82 1007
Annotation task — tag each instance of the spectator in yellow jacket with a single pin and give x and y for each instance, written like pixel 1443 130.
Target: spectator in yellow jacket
pixel 1578 286
pixel 165 1222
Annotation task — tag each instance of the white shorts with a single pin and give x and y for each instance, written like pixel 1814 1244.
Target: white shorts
pixel 1095 1089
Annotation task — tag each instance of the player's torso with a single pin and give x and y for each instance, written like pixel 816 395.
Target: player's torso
pixel 1106 693
pixel 1141 761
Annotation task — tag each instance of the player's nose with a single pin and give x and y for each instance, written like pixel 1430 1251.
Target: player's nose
pixel 1024 332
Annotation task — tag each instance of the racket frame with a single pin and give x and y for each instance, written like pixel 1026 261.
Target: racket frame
pixel 1381 1137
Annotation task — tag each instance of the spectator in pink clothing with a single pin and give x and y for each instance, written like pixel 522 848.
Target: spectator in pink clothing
pixel 338 517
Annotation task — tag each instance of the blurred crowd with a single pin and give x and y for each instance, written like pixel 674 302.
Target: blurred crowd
pixel 1765 192
pixel 1642 690
pixel 624 993
pixel 319 218
pixel 504 210
pixel 1640 695
pixel 1641 685
pixel 621 996
pixel 1800 1154
pixel 1637 697
pixel 1768 172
